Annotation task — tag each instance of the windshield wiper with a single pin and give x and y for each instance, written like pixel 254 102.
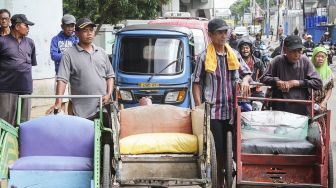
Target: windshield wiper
pixel 171 63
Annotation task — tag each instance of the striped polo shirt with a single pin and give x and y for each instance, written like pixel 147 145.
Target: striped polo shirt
pixel 218 87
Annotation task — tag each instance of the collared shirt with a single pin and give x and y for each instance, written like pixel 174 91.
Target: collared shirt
pixel 16 61
pixel 87 74
pixel 218 87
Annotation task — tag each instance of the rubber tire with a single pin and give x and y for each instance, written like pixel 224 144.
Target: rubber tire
pixel 330 169
pixel 229 161
pixel 213 162
pixel 106 167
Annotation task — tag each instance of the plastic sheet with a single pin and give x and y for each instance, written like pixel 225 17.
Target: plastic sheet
pixel 273 124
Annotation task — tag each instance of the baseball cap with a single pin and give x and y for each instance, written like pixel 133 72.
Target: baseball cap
pixel 293 42
pixel 68 19
pixel 20 18
pixel 217 25
pixel 309 36
pixel 83 22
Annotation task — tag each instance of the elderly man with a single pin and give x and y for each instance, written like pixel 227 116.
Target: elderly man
pixel 4 22
pixel 291 75
pixel 17 56
pixel 216 70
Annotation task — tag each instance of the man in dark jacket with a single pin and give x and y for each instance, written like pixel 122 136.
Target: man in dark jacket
pixel 17 56
pixel 291 75
pixel 309 43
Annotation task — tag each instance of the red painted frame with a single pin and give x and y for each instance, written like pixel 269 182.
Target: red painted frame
pixel 286 170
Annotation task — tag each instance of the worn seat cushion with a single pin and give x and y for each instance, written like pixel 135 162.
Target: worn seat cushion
pixel 155 119
pixel 57 135
pixel 53 163
pixel 277 146
pixel 156 143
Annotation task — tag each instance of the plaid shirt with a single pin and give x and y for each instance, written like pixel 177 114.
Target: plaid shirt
pixel 218 87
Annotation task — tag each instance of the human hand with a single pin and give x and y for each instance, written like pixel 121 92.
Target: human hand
pixel 282 85
pixel 323 106
pixel 54 108
pixel 245 89
pixel 293 83
pixel 106 99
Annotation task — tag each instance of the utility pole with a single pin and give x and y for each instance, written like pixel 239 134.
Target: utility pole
pixel 277 36
pixel 267 18
pixel 304 14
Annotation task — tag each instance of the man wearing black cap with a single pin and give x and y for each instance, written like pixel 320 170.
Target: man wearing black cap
pixel 291 75
pixel 17 56
pixel 215 73
pixel 88 70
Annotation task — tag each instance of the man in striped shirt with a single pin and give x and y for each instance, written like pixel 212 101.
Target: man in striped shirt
pixel 218 88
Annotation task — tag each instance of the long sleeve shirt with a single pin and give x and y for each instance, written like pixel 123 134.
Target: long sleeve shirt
pixel 280 69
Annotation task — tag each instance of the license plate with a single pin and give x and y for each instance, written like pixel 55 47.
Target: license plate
pixel 145 84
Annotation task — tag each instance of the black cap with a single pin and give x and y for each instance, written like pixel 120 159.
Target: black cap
pixel 20 18
pixel 217 25
pixel 293 42
pixel 83 22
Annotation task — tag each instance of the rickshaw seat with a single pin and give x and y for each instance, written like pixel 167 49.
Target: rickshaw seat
pixel 56 137
pixel 156 129
pixel 275 132
pixel 55 147
pixel 277 146
pixel 155 119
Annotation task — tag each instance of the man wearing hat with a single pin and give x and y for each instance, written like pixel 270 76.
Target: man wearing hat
pixel 88 70
pixel 217 68
pixel 309 42
pixel 291 75
pixel 17 56
pixel 61 42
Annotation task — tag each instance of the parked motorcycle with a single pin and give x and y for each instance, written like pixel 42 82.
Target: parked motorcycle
pixel 262 52
pixel 308 52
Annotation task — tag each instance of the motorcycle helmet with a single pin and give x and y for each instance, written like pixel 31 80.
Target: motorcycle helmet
pixel 245 41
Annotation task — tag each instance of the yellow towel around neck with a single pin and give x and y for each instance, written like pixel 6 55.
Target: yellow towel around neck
pixel 211 58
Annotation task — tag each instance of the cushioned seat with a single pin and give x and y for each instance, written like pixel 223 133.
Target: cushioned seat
pixel 277 146
pixel 55 151
pixel 53 163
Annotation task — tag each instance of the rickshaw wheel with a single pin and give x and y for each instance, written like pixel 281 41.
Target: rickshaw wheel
pixel 213 162
pixel 106 166
pixel 330 169
pixel 229 161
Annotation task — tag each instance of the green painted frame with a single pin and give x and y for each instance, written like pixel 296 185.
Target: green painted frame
pixel 98 128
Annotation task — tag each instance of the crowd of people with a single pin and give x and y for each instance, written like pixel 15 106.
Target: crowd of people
pixel 87 69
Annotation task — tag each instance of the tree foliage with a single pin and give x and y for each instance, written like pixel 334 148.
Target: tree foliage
pixel 242 6
pixel 113 11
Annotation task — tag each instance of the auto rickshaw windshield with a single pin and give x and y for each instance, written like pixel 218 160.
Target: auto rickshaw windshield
pixel 144 55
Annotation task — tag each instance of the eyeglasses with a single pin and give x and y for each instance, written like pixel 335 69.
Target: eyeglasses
pixel 4 19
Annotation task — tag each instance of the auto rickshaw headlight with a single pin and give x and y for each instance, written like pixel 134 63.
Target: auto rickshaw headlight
pixel 125 95
pixel 175 96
